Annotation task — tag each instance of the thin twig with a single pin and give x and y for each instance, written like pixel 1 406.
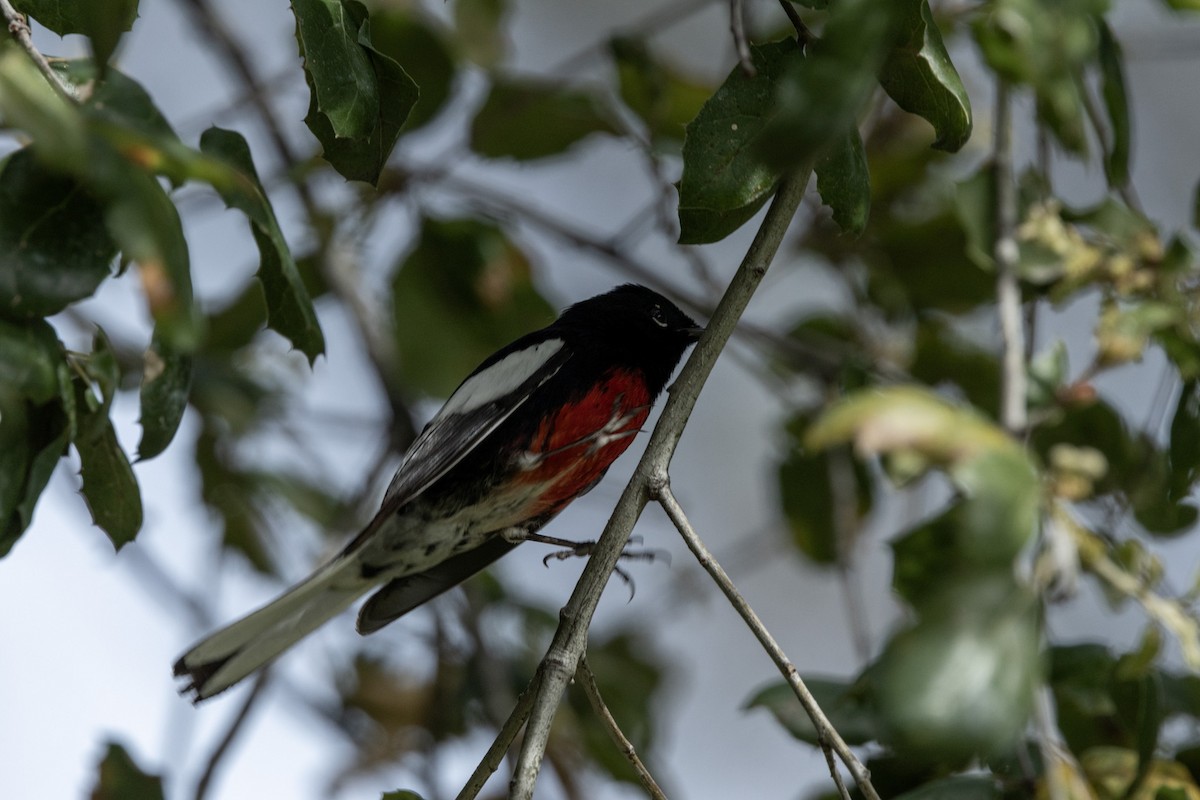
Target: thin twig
pixel 827 736
pixel 803 34
pixel 1008 290
pixel 844 494
pixel 18 26
pixel 1125 188
pixel 737 26
pixel 504 738
pixel 558 665
pixel 587 681
pixel 236 725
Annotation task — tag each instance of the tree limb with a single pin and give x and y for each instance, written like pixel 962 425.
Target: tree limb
pixel 562 657
pixel 222 747
pixel 18 26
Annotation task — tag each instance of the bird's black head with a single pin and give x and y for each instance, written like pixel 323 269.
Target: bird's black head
pixel 635 326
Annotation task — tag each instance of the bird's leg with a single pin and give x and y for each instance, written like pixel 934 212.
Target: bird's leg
pixel 574 549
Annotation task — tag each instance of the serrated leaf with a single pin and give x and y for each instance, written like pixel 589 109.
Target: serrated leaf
pixel 419 46
pixel 102 21
pixel 1116 103
pixel 920 77
pixel 468 282
pixel 527 119
pixel 844 182
pixel 54 248
pixel 359 97
pixel 166 383
pixel 109 487
pixel 725 181
pixel 289 308
pixel 120 778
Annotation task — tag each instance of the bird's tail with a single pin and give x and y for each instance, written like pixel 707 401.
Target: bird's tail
pixel 233 652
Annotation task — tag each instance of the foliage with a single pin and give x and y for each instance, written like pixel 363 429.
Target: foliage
pixel 92 192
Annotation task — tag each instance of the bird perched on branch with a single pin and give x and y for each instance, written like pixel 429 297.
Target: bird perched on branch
pixel 535 425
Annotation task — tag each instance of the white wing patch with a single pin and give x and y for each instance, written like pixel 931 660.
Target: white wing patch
pixel 501 378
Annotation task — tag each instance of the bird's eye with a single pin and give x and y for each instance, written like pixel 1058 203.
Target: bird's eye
pixel 656 314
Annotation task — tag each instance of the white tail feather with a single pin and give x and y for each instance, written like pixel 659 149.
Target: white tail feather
pixel 233 652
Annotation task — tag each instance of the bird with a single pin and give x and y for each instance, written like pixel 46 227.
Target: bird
pixel 534 426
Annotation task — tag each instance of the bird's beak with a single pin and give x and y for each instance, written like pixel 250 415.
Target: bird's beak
pixel 693 333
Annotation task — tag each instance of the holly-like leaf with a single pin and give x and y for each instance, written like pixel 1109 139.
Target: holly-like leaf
pixel 920 77
pixel 725 180
pixel 54 248
pixel 468 282
pixel 289 308
pixel 844 182
pixel 166 382
pixel 527 119
pixel 121 778
pixel 102 21
pixel 359 97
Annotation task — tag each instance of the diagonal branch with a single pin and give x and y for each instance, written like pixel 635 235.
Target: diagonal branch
pixel 562 657
pixel 18 26
pixel 829 739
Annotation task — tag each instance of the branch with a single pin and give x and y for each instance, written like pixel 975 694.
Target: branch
pixel 236 725
pixel 587 681
pixel 737 26
pixel 827 736
pixel 508 733
pixel 18 26
pixel 562 657
pixel 1008 291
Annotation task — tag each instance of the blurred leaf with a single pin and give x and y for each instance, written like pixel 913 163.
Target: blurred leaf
pixel 724 179
pixel 400 794
pixel 117 98
pixel 29 357
pixel 102 21
pixel 228 493
pixel 662 97
pixel 468 282
pixel 166 384
pixel 54 248
pixel 120 778
pixel 920 77
pixel 527 119
pixel 1185 439
pixel 844 182
pixel 289 308
pixel 943 355
pixel 1116 103
pixel 847 704
pixel 975 203
pixel 32 440
pixel 808 500
pixel 959 787
pixel 359 97
pixel 1124 332
pixel 419 46
pixel 819 97
pixel 1113 772
pixel 1046 46
pixel 960 682
pixel 480 25
pixel 1047 372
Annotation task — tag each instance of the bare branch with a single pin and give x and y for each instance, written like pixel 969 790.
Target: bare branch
pixel 737 26
pixel 562 657
pixel 803 34
pixel 1008 291
pixel 236 725
pixel 18 26
pixel 587 681
pixel 504 738
pixel 827 736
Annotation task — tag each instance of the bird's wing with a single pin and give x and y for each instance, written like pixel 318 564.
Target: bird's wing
pixel 478 406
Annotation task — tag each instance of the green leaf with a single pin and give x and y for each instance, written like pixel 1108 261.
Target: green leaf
pixel 102 21
pixel 468 282
pixel 821 96
pixel 117 98
pixel 54 248
pixel 847 704
pixel 400 794
pixel 30 354
pixel 480 26
pixel 289 308
pixel 419 46
pixel 665 99
pixel 41 440
pixel 1183 5
pixel 1185 439
pixel 920 77
pixel 844 182
pixel 359 97
pixel 121 778
pixel 1116 103
pixel 527 119
pixel 807 494
pixel 959 787
pixel 166 383
pixel 724 180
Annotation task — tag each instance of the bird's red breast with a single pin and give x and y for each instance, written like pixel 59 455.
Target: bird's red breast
pixel 572 448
